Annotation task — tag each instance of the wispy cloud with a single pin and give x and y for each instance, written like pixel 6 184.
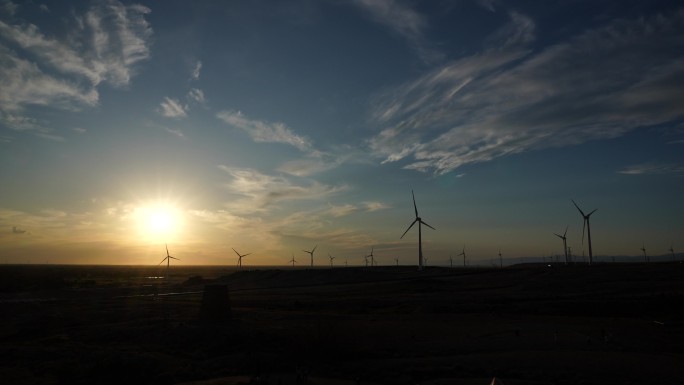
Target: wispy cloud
pixel 196 71
pixel 259 191
pixel 104 44
pixel 375 206
pixel 508 99
pixel 79 130
pixel 196 95
pixel 172 108
pixel 404 21
pixel 27 124
pixel 268 132
pixel 651 168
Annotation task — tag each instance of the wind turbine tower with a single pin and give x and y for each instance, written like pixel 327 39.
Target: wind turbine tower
pixel 312 253
pixel 586 224
pixel 500 260
pixel 331 260
pixel 293 260
pixel 464 256
pixel 565 244
pixel 372 258
pixel 671 250
pixel 420 236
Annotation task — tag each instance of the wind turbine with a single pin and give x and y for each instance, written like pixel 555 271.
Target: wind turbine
pixel 500 259
pixel 586 224
pixel 331 260
pixel 643 248
pixel 311 252
pixel 168 259
pixel 464 256
pixel 565 244
pixel 371 257
pixel 420 237
pixel 240 257
pixel 293 260
pixel 671 250
pixel 397 261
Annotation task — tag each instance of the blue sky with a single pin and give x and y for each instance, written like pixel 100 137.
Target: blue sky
pixel 271 127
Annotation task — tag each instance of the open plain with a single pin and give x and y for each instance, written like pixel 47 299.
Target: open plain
pixel 526 324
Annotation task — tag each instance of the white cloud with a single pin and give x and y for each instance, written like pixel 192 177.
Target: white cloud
pixel 171 108
pixel 507 100
pixel 196 95
pixel 103 45
pixel 261 131
pixel 79 130
pixel 196 71
pixel 375 206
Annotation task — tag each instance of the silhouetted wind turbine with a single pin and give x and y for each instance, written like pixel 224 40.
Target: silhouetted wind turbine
pixel 565 244
pixel 586 224
pixel 240 257
pixel 311 252
pixel 500 259
pixel 643 248
pixel 397 261
pixel 671 250
pixel 371 257
pixel 293 260
pixel 168 259
pixel 464 256
pixel 420 237
pixel 331 260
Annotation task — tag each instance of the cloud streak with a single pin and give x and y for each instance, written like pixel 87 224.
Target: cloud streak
pixel 265 132
pixel 258 191
pixel 653 168
pixel 171 108
pixel 508 99
pixel 404 21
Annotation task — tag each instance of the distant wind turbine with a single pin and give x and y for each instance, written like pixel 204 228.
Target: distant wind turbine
pixel 240 257
pixel 586 224
pixel 312 253
pixel 464 256
pixel 168 259
pixel 372 258
pixel 671 250
pixel 500 260
pixel 331 260
pixel 293 260
pixel 420 237
pixel 643 248
pixel 565 244
pixel 397 261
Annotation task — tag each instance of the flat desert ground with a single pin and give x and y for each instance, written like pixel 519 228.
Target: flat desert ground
pixel 527 324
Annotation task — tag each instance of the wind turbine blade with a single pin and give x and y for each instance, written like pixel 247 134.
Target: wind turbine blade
pixel 246 255
pixel 409 228
pixel 314 249
pixel 566 231
pixel 414 203
pixel 162 261
pixel 580 210
pixel 421 221
pixel 167 249
pixel 174 258
pixel 588 215
pixel 558 235
pixel 238 254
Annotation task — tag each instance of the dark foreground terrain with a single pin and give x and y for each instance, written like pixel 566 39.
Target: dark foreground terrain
pixel 604 324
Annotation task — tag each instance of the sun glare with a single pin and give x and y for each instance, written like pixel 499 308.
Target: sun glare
pixel 159 222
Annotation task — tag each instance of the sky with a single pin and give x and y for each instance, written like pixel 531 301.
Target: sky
pixel 274 127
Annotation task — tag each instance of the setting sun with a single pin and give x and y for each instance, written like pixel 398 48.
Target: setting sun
pixel 159 222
